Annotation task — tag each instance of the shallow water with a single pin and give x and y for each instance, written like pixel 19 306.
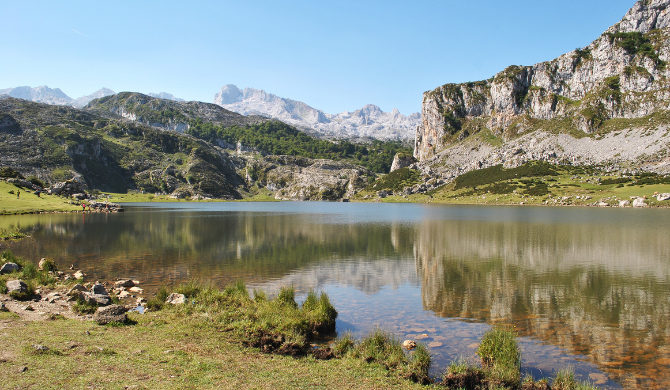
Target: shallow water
pixel 587 288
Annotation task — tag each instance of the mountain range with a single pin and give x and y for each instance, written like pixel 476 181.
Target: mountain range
pixel 55 96
pixel 368 122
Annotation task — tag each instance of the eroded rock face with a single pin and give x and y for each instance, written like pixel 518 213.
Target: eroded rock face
pixel 607 79
pixel 299 178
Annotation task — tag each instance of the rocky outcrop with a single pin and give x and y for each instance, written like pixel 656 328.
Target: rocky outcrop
pixel 368 122
pixel 622 74
pixel 299 178
pixel 401 161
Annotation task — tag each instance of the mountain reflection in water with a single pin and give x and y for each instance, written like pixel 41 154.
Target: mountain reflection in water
pixel 593 282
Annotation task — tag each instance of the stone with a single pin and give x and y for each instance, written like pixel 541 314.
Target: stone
pixel 79 275
pixel 639 202
pixel 40 348
pixel 97 299
pixel 409 344
pixel 124 283
pixel 76 289
pixel 176 299
pixel 8 268
pixel 124 295
pixel 624 203
pixel 112 313
pixel 603 204
pixel 136 290
pixel 662 197
pixel 53 297
pixel 16 287
pixel 99 289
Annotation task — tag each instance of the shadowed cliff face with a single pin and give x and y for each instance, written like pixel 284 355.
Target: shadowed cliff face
pixel 622 74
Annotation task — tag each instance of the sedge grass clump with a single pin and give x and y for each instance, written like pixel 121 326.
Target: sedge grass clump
pixel 383 348
pixel 320 311
pixel 157 302
pixel 286 296
pixel 343 344
pixel 565 380
pixel 501 357
pixel 463 375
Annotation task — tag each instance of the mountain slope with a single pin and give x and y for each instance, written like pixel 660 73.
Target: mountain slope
pixel 603 104
pixel 109 153
pixel 368 122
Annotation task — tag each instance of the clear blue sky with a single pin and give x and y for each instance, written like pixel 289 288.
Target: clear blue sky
pixel 332 55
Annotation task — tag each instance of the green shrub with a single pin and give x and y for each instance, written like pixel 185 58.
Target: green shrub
pixel 34 180
pixel 83 307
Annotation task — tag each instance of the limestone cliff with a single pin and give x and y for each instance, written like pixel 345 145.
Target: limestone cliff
pixel 622 74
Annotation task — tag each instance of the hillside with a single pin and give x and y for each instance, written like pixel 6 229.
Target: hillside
pixel 605 104
pixel 368 122
pixel 108 153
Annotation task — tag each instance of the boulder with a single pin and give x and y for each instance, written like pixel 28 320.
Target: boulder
pixel 112 313
pixel 8 268
pixel 16 287
pixel 96 299
pixel 662 197
pixel 99 289
pixel 409 344
pixel 78 275
pixel 639 202
pixel 124 283
pixel 137 290
pixel 624 203
pixel 176 299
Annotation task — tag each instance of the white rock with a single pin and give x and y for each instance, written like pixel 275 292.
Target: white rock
pixel 176 299
pixel 639 202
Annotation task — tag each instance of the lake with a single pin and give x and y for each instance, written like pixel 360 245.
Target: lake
pixel 585 287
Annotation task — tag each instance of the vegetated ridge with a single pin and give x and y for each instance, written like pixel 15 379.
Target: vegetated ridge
pixel 369 122
pixel 602 105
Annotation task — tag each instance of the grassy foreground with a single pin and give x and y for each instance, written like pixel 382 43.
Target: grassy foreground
pixel 28 203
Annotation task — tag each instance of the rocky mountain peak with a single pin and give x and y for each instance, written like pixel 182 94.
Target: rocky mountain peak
pixel 228 94
pixel 644 16
pixel 367 122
